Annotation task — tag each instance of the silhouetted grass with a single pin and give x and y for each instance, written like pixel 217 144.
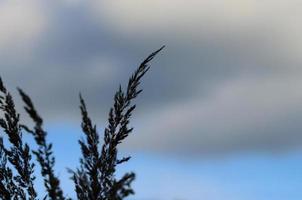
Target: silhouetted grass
pixel 95 178
pixel 21 185
pixel 44 153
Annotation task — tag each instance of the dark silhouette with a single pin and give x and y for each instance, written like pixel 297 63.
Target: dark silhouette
pixel 95 178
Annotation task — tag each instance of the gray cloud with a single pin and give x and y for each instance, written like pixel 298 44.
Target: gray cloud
pixel 224 83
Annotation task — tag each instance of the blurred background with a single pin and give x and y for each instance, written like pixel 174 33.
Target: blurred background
pixel 220 116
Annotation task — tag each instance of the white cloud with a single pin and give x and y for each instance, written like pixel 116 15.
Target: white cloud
pixel 184 20
pixel 240 114
pixel 21 24
pixel 134 15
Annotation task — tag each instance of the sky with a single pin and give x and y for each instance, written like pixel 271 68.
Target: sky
pixel 220 114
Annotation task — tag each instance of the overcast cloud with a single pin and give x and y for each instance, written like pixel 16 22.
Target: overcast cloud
pixel 228 81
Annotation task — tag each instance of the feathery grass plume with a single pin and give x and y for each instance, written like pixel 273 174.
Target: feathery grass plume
pixel 18 154
pixel 44 153
pixel 5 192
pixel 90 161
pixel 8 188
pixel 95 179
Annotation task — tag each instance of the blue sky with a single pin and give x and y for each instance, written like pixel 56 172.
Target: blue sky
pixel 241 176
pixel 220 115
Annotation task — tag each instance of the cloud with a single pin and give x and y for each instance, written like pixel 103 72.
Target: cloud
pixel 229 79
pixel 273 23
pixel 238 57
pixel 194 17
pixel 243 114
pixel 21 24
